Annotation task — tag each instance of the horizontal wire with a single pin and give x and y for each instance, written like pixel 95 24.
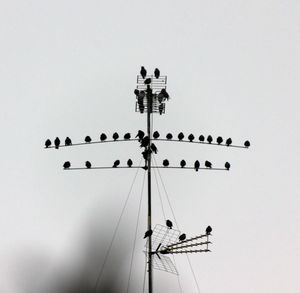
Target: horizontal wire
pixel 156 167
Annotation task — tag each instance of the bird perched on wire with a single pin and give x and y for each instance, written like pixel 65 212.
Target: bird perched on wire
pixel 182 237
pixel 153 148
pixel 208 230
pixel 160 97
pixel 201 137
pixel 165 163
pixel 197 165
pixel 209 139
pixel 219 139
pixel 247 143
pixel 143 72
pixel 180 136
pixel 228 141
pixel 208 164
pixel 103 137
pixel 136 92
pixel 156 73
pixel 147 81
pixel 148 233
pixel 169 136
pixel 47 143
pixel 182 163
pixel 142 94
pixel 88 164
pixel 115 136
pixel 165 94
pixel 127 136
pixel 129 163
pixel 161 109
pixel 145 154
pixel 116 164
pixel 67 165
pixel 68 141
pixel 227 165
pixel 191 137
pixel 145 141
pixel 155 134
pixel 57 143
pixel 140 135
pixel 87 139
pixel 169 224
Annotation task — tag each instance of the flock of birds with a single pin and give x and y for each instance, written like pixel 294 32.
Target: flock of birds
pixel 182 237
pixel 156 135
pixel 141 94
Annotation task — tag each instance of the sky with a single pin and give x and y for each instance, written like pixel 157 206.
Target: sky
pixel 68 68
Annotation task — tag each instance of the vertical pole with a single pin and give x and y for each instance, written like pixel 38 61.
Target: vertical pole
pixel 149 132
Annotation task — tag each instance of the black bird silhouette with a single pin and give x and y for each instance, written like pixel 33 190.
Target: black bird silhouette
pixel 160 97
pixel 165 163
pixel 87 139
pixel 219 139
pixel 142 95
pixel 47 143
pixel 208 230
pixel 156 73
pixel 143 72
pixel 147 81
pixel 191 137
pixel 153 148
pixel 197 165
pixel 180 136
pixel 68 141
pixel 145 142
pixel 165 94
pixel 115 136
pixel 88 164
pixel 136 92
pixel 129 163
pixel 169 224
pixel 208 164
pixel 201 138
pixel 67 165
pixel 116 164
pixel 127 136
pixel 161 109
pixel 182 237
pixel 140 135
pixel 209 139
pixel 182 163
pixel 148 233
pixel 145 154
pixel 228 141
pixel 57 143
pixel 247 143
pixel 103 137
pixel 227 165
pixel 169 136
pixel 155 134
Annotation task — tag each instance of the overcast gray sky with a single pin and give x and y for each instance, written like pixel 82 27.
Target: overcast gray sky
pixel 68 68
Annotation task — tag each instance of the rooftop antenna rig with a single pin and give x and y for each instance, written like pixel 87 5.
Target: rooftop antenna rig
pixel 151 97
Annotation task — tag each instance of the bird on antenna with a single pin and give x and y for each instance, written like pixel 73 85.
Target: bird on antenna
pixel 182 163
pixel 143 72
pixel 208 230
pixel 57 143
pixel 145 141
pixel 227 165
pixel 115 136
pixel 68 141
pixel 127 136
pixel 169 136
pixel 165 163
pixel 191 137
pixel 136 92
pixel 247 143
pixel 209 139
pixel 88 164
pixel 208 164
pixel 67 165
pixel 156 73
pixel 129 163
pixel 153 148
pixel 148 233
pixel 182 237
pixel 87 139
pixel 155 134
pixel 47 143
pixel 103 137
pixel 140 135
pixel 228 141
pixel 201 138
pixel 180 136
pixel 165 94
pixel 147 81
pixel 169 224
pixel 116 164
pixel 219 139
pixel 197 165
